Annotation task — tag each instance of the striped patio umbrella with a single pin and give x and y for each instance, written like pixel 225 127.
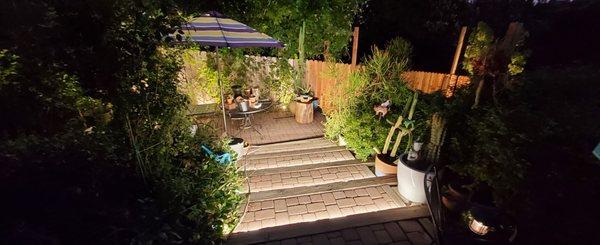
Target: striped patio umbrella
pixel 217 30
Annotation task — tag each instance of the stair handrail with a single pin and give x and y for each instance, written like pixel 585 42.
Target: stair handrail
pixel 428 186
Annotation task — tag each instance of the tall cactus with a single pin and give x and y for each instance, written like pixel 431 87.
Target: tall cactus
pixel 408 125
pixel 301 59
pixel 301 35
pixel 438 132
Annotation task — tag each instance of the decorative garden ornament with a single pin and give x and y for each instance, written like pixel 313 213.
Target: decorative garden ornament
pixel 382 110
pixel 413 154
pixel 256 92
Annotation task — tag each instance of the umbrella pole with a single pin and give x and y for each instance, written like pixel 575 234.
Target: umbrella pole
pixel 222 93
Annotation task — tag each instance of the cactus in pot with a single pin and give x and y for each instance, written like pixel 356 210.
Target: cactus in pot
pixel 384 162
pixel 438 133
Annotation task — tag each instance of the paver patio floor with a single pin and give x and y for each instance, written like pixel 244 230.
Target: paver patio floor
pixel 271 127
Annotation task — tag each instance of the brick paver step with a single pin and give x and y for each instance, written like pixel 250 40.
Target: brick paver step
pixel 340 202
pixel 306 175
pixel 330 154
pixel 294 152
pixel 292 146
pixel 403 225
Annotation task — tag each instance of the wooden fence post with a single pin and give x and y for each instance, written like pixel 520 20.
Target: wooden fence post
pixel 354 46
pixel 461 38
pixel 458 51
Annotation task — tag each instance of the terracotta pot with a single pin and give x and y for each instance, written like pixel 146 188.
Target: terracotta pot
pixel 305 98
pixel 450 203
pixel 247 92
pixel 384 165
pixel 252 100
pixel 455 199
pixel 231 106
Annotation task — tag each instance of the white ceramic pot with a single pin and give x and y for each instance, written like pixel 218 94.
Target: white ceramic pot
pixel 237 145
pixel 341 141
pixel 411 180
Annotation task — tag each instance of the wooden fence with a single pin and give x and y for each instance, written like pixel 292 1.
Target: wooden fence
pixel 326 80
pixel 430 82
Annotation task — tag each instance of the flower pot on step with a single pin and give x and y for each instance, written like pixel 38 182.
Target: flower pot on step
pixel 411 179
pixel 237 145
pixel 384 165
pixel 456 198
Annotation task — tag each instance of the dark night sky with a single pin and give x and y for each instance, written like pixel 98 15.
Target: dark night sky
pixel 560 33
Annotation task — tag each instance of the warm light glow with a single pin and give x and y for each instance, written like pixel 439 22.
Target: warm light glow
pixel 478 227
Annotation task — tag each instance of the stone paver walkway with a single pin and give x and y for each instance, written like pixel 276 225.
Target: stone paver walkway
pixel 271 180
pixel 306 208
pixel 288 160
pixel 398 232
pixel 274 126
pixel 315 192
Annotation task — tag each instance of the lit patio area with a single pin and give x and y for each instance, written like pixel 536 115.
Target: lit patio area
pixel 271 126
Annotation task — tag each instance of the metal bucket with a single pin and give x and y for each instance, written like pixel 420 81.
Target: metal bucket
pixel 243 105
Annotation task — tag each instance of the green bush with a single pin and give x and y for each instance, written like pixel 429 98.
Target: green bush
pixel 484 142
pixel 199 78
pixel 94 141
pixel 379 80
pixel 483 145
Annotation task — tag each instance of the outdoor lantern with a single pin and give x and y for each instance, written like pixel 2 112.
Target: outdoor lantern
pixel 491 224
pixel 478 227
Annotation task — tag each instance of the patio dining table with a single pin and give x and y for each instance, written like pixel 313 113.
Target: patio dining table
pixel 246 116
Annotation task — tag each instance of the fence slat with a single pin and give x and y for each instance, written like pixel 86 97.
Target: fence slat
pixel 326 87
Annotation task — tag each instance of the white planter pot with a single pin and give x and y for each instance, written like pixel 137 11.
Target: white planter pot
pixel 237 145
pixel 341 141
pixel 411 180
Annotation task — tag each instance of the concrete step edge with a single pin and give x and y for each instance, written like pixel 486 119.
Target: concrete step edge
pixel 321 188
pixel 266 171
pixel 295 142
pixel 257 150
pixel 328 225
pixel 294 152
pixel 362 172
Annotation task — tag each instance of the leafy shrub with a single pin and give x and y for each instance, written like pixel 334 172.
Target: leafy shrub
pixel 484 141
pixel 95 144
pixel 199 81
pixel 378 81
pixel 199 77
pixel 484 146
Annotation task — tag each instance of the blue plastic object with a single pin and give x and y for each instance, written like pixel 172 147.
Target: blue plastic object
pixel 223 159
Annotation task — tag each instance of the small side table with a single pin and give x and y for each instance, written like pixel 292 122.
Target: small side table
pixel 304 112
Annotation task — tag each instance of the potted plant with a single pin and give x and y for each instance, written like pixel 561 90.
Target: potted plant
pixel 384 161
pixel 456 193
pixel 304 94
pixel 252 100
pixel 237 90
pixel 230 105
pixel 237 145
